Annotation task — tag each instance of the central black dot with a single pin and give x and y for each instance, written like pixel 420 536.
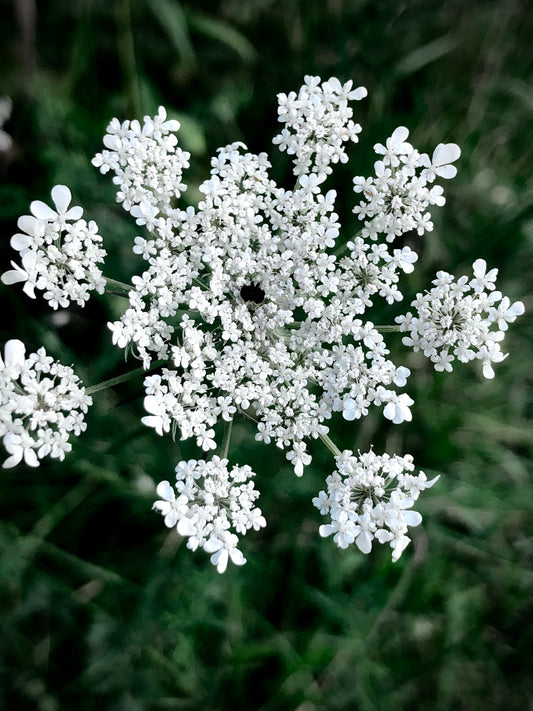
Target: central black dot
pixel 252 292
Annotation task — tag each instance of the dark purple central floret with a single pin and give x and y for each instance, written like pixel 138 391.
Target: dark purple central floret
pixel 252 292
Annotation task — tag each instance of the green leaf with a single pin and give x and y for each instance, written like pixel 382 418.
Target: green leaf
pixel 172 18
pixel 228 35
pixel 425 55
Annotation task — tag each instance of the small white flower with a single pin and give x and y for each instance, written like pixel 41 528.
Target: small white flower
pixel 397 409
pixel 223 551
pixel 61 196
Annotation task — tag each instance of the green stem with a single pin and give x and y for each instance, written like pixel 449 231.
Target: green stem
pixel 105 384
pixel 227 438
pixel 126 55
pixel 118 284
pixel 330 444
pixel 388 329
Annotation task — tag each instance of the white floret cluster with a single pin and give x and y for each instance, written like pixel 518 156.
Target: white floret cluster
pixel 147 163
pixel 318 121
pixel 398 197
pixel 370 498
pixel 461 319
pixel 59 252
pixel 42 403
pixel 209 505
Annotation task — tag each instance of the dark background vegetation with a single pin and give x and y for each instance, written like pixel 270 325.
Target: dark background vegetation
pixel 102 608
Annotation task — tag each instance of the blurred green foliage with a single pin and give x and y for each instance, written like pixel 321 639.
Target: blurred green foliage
pixel 104 609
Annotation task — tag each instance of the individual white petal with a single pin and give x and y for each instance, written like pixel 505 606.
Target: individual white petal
pixel 13 460
pixel 399 135
pixel 358 94
pixel 162 507
pixel 42 211
pixel 29 290
pixel 236 556
pixel 13 447
pixel 445 153
pixel 30 457
pixel 488 371
pixel 446 171
pixel 170 518
pixel 412 518
pixel 31 225
pixel 20 242
pixel 364 542
pixel 383 535
pixel 326 529
pixel 165 491
pixel 479 267
pixel 152 404
pixel 74 213
pixel 334 84
pixel 14 353
pixel 212 545
pixel 186 527
pixel 517 309
pixel 399 545
pixel 112 142
pixel 155 422
pixel 61 196
pixel 349 409
pixel 13 276
pixel 220 559
pixel 390 411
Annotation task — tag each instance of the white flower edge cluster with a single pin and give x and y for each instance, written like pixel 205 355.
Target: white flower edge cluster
pixel 42 403
pixel 59 252
pixel 397 199
pixel 369 498
pixel 318 121
pixel 210 504
pixel 461 319
pixel 148 165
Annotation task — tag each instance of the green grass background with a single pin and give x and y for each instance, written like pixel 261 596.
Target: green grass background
pixel 102 608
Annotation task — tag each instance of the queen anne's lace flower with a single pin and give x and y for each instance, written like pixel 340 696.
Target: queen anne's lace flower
pixel 369 498
pixel 42 403
pixel 210 504
pixel 59 252
pixel 256 311
pixel 460 319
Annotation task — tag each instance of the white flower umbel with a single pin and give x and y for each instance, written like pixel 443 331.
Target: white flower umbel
pixel 210 504
pixel 250 307
pixel 461 319
pixel 254 312
pixel 59 252
pixel 42 403
pixel 369 498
